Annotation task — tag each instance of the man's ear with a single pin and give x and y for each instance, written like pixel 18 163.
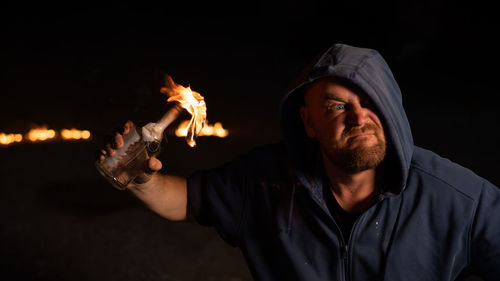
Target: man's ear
pixel 306 120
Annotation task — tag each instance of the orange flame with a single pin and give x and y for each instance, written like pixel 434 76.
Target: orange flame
pixel 190 100
pixel 208 130
pixel 41 134
pixel 74 134
pixel 6 139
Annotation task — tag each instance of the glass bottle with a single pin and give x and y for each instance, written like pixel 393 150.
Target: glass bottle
pixel 129 161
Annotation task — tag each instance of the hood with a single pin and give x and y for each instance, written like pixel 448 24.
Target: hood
pixel 368 70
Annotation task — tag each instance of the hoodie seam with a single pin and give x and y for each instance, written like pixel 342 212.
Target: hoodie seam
pixel 422 169
pixel 471 230
pixel 360 64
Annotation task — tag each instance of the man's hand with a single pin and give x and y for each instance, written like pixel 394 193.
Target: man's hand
pixel 116 142
pixel 164 194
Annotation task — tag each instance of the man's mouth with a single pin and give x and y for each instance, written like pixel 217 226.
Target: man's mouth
pixel 360 138
pixel 364 134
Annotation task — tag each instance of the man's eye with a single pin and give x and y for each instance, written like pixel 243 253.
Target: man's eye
pixel 339 106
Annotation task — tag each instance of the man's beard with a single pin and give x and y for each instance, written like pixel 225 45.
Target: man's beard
pixel 357 158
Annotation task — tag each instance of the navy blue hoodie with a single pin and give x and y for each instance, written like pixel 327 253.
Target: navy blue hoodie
pixel 434 220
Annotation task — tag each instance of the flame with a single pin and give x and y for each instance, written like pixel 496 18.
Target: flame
pixel 41 134
pixel 191 101
pixel 208 130
pixel 74 134
pixel 6 139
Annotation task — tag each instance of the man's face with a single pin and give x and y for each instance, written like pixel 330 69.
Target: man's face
pixel 345 125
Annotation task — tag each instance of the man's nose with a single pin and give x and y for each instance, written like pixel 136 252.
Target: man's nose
pixel 356 116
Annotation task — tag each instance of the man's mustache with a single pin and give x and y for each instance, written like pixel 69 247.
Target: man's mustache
pixel 354 131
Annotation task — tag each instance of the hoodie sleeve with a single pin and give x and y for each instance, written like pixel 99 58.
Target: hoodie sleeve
pixel 217 197
pixel 485 253
pixel 220 197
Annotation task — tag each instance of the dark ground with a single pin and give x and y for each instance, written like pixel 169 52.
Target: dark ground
pixel 95 68
pixel 62 221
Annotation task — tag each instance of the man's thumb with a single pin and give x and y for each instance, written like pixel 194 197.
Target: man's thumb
pixel 154 164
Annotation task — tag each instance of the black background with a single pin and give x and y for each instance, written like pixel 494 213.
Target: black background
pixel 93 67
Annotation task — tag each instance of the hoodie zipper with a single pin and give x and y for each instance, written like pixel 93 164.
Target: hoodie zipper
pixel 345 262
pixel 346 247
pixel 347 272
pixel 343 252
pixel 346 250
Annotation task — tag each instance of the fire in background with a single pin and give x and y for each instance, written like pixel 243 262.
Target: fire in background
pixel 43 133
pixel 216 130
pixel 6 139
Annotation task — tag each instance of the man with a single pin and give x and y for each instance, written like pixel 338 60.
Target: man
pixel 346 195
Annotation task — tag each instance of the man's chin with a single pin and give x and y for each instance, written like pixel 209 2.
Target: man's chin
pixel 360 147
pixel 358 157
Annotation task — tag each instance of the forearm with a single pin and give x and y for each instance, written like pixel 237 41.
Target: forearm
pixel 166 195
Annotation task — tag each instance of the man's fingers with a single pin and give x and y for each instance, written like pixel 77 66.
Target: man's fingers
pixel 101 155
pixel 126 128
pixel 115 141
pixel 118 141
pixel 110 150
pixel 154 165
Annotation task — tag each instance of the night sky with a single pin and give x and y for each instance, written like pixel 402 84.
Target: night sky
pixel 96 67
